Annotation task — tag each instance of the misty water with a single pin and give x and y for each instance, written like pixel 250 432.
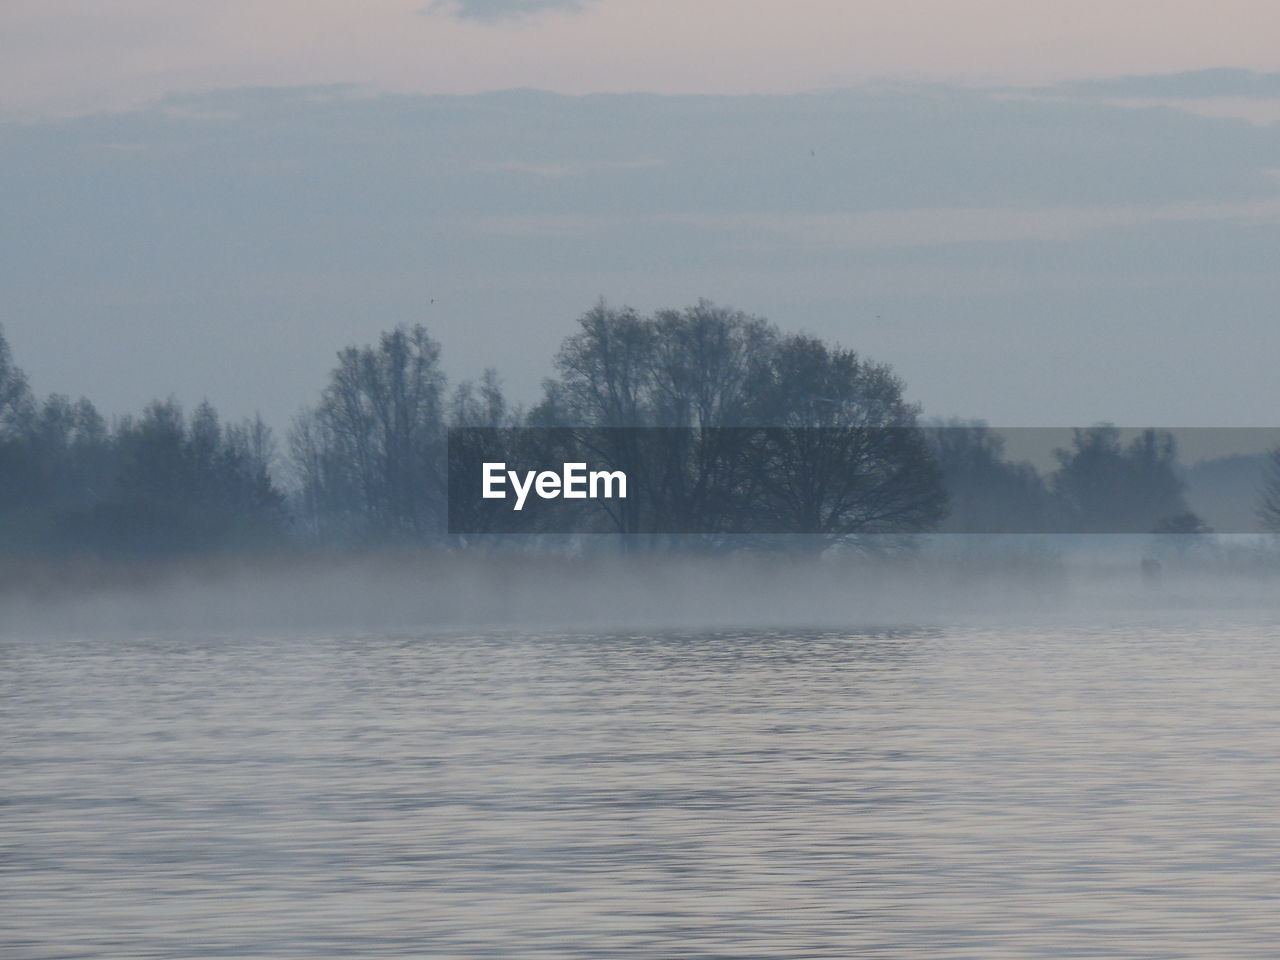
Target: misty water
pixel 983 791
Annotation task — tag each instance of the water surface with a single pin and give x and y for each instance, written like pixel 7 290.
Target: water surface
pixel 972 793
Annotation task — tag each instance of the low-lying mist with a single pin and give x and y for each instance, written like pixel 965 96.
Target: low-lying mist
pixel 950 580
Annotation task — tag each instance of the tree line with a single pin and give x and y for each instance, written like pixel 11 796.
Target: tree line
pixel 758 435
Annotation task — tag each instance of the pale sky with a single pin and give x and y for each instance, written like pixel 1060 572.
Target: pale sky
pixel 1038 213
pixel 61 56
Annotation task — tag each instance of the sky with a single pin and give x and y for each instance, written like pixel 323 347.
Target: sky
pixel 1038 213
pixel 84 55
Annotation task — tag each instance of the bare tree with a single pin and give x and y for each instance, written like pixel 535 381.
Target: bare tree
pixel 482 404
pixel 842 455
pixel 374 447
pixel 683 374
pixel 605 385
pixel 750 432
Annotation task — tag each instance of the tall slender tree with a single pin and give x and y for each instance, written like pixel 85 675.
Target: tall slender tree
pixel 373 450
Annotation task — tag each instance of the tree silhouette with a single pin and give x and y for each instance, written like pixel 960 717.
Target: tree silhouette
pixel 750 432
pixel 987 493
pixel 371 455
pixel 1269 495
pixel 843 455
pixel 1110 487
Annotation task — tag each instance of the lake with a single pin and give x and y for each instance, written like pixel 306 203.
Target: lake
pixel 992 791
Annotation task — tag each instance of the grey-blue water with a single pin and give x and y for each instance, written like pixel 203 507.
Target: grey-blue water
pixel 986 793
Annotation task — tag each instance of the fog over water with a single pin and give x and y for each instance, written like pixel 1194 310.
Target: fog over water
pixel 954 578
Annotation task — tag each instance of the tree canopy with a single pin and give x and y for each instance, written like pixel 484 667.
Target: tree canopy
pixel 753 437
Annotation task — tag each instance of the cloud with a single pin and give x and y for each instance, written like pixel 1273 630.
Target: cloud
pixel 567 168
pixel 1222 82
pixel 1034 260
pixel 776 233
pixel 493 10
pixel 1226 93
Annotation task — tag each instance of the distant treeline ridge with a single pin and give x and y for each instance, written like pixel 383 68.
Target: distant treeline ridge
pixel 368 464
